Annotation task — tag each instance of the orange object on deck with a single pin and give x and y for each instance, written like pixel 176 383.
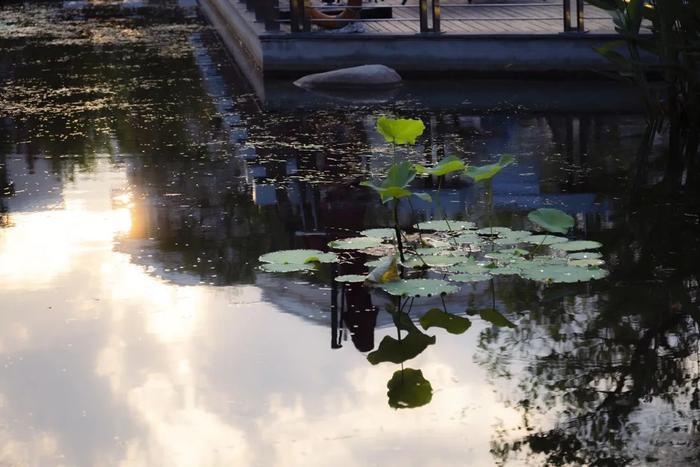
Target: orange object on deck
pixel 351 12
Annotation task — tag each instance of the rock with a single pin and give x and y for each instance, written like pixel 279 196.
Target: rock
pixel 365 76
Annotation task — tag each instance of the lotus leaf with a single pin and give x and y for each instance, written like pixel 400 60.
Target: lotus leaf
pixel 578 245
pixel 408 389
pixel 469 277
pixel 486 172
pixel 351 278
pixel 585 263
pixel 442 226
pixel 445 166
pixel 298 257
pixel 432 261
pixel 379 233
pixel 438 318
pixel 291 267
pixel 552 220
pixel 419 287
pixel 400 131
pixel 546 240
pixel 355 243
pixel 565 274
pixel 584 255
pixel 489 231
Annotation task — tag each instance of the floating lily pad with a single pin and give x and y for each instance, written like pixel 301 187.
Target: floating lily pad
pixel 494 317
pixel 546 239
pixel 500 231
pixel 584 255
pixel 374 263
pixel 298 257
pixel 351 278
pixel 355 243
pixel 379 233
pixel 442 226
pixel 273 267
pixel 419 287
pixel 552 220
pixel 433 261
pixel 587 263
pixel 469 277
pixel 438 318
pixel 504 271
pixel 578 245
pixel 512 238
pixel 471 238
pixel 564 274
pixel 469 266
pixel 409 389
pixel 427 251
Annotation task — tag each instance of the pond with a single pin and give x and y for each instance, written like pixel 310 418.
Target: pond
pixel 141 179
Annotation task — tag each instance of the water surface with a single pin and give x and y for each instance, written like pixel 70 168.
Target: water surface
pixel 140 179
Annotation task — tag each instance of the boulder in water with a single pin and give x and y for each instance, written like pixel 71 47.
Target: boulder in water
pixel 365 76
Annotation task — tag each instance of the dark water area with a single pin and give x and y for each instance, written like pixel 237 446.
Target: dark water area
pixel 141 178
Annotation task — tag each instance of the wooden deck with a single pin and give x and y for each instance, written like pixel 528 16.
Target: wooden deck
pixel 522 36
pixel 504 17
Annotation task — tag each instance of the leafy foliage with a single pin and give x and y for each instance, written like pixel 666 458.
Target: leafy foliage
pixel 552 220
pixel 487 172
pixel 409 389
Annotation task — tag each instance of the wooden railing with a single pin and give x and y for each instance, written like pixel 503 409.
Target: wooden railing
pixel 429 14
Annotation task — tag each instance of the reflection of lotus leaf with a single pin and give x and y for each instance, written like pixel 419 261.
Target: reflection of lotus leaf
pixel 298 257
pixel 546 239
pixel 408 389
pixel 496 318
pixel 438 318
pixel 442 226
pixel 584 255
pixel 419 287
pixel 578 245
pixel 469 277
pixel 351 278
pixel 379 233
pixel 355 243
pixel 273 267
pixel 560 273
pixel 398 351
pixel 552 220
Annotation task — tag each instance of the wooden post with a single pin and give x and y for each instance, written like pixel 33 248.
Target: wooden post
pixel 272 15
pixel 567 15
pixel 423 14
pixel 436 15
pixel 579 16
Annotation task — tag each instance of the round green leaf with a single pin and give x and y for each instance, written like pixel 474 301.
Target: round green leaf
pixel 584 255
pixel 438 318
pixel 400 130
pixel 552 220
pixel 351 278
pixel 355 243
pixel 565 274
pixel 578 245
pixel 586 263
pixel 545 239
pixel 442 226
pixel 291 267
pixel 379 233
pixel 419 287
pixel 469 277
pixel 298 257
